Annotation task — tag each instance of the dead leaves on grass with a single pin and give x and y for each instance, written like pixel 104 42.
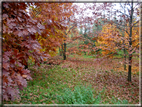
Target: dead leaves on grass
pixel 106 74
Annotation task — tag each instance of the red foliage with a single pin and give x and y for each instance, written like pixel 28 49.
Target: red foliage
pixel 18 44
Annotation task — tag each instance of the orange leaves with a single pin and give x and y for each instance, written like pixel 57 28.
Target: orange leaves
pixel 95 38
pixel 108 39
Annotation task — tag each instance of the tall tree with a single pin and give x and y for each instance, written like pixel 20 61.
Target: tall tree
pixel 72 23
pixel 66 37
pixel 128 13
pixel 18 44
pixel 132 10
pixel 34 34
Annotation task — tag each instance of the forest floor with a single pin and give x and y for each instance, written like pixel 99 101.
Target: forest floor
pixel 81 80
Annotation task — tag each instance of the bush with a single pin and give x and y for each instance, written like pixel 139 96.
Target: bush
pixel 80 95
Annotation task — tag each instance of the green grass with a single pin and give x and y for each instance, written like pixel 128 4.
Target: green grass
pixel 120 54
pixel 61 86
pixel 87 56
pixel 82 56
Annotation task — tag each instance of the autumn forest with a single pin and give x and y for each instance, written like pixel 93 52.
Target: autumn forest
pixel 70 53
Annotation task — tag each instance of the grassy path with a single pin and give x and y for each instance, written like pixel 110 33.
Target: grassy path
pixel 78 81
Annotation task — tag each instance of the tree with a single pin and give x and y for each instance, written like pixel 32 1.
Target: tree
pixel 27 35
pixel 18 44
pixel 54 26
pixel 60 15
pixel 127 18
pixel 65 39
pixel 132 10
pixel 127 25
pixel 109 41
pixel 72 22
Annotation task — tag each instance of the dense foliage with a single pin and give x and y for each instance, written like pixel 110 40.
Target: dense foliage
pixel 24 37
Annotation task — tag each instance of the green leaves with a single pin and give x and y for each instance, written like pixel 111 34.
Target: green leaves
pixel 80 95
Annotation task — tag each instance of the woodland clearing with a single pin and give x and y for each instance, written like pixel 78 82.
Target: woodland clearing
pixel 107 85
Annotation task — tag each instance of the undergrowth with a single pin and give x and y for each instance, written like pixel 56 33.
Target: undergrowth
pixel 74 83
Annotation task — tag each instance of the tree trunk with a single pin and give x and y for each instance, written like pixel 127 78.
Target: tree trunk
pixel 64 51
pixel 130 43
pixel 60 51
pixel 130 67
pixel 124 50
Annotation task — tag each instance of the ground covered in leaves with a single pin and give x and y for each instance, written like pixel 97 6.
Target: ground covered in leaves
pixel 81 80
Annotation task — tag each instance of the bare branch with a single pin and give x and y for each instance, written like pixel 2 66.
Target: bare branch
pixel 135 23
pixel 71 28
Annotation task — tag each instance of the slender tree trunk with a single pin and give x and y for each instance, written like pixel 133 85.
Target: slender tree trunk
pixel 64 51
pixel 124 50
pixel 130 67
pixel 62 48
pixel 60 51
pixel 130 43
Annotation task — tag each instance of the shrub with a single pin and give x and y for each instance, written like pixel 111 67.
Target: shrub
pixel 80 95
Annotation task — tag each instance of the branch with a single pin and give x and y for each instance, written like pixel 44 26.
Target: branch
pixel 134 49
pixel 70 28
pixel 136 5
pixel 121 28
pixel 135 23
pixel 123 13
pixel 121 6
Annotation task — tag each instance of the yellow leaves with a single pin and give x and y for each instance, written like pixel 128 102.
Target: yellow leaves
pixel 105 52
pixel 56 18
pixel 108 39
pixel 42 50
pixel 52 53
pixel 31 58
pixel 24 76
pixel 44 59
pixel 135 70
pixel 110 56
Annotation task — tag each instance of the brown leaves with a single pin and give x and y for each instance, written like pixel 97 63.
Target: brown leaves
pixel 6 66
pixel 101 75
pixel 32 30
pixel 16 45
pixel 40 26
